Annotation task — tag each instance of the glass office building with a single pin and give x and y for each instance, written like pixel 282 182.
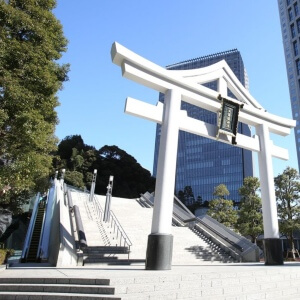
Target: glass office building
pixel 290 28
pixel 204 163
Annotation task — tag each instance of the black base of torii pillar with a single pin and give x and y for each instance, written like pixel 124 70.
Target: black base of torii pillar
pixel 159 252
pixel 273 252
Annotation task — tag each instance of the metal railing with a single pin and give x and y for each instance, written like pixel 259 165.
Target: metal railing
pixel 119 231
pixel 98 208
pixel 217 232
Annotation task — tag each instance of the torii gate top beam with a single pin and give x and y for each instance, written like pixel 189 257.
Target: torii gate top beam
pixel 145 72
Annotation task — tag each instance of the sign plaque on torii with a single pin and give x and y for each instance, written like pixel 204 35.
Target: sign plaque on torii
pixel 186 85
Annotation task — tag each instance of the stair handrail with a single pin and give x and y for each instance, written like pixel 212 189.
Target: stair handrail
pixel 79 227
pixel 30 227
pixel 115 223
pixel 146 199
pixel 98 208
pixel 198 220
pixel 235 245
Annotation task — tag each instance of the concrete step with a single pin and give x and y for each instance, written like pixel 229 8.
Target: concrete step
pixel 56 288
pixel 54 296
pixel 106 249
pixel 106 255
pixel 51 280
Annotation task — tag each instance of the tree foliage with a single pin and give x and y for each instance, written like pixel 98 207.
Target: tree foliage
pixel 250 222
pixel 188 199
pixel 31 42
pixel 130 179
pixel 221 209
pixel 287 189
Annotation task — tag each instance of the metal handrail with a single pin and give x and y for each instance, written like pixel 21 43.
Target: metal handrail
pixel 98 208
pixel 79 226
pixel 196 219
pixel 235 245
pixel 115 223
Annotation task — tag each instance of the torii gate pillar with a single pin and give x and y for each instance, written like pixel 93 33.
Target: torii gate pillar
pixel 272 242
pixel 160 241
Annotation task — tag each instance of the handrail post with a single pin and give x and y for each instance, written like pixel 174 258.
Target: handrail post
pixel 108 199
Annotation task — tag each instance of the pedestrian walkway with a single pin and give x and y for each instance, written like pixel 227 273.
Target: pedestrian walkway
pixel 221 281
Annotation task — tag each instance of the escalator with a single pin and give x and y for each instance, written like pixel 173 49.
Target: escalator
pixel 31 246
pixel 32 255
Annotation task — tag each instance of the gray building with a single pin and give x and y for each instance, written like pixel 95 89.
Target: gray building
pixel 203 163
pixel 290 28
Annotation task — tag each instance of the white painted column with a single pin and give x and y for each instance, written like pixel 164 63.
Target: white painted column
pixel 269 207
pixel 222 87
pixel 166 166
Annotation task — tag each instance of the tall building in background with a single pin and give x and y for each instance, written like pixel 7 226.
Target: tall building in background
pixel 290 28
pixel 203 163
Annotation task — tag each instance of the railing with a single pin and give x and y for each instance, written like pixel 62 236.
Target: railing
pixel 79 227
pixel 216 232
pixel 98 208
pixel 30 228
pixel 119 231
pixel 148 199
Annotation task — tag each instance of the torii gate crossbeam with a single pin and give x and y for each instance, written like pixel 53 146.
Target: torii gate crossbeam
pixel 184 86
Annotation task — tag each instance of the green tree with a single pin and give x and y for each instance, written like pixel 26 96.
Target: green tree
pixel 77 159
pixel 287 189
pixel 189 197
pixel 31 42
pixel 221 209
pixel 130 179
pixel 250 222
pixel 74 178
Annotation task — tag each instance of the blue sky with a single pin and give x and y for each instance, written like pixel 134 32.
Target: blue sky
pixel 164 32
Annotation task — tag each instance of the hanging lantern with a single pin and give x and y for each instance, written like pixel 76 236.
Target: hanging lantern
pixel 228 118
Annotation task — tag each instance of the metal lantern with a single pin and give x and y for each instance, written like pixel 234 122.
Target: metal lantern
pixel 228 118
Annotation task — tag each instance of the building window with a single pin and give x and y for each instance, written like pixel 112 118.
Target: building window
pixel 291 16
pixel 298 25
pixel 296 51
pixel 298 66
pixel 288 2
pixel 296 9
pixel 293 32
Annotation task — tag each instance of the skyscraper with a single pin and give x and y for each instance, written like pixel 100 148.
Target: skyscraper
pixel 202 163
pixel 290 28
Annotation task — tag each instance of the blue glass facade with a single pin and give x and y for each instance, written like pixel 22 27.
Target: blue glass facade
pixel 290 28
pixel 203 163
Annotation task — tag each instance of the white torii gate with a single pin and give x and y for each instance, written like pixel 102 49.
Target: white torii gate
pixel 186 85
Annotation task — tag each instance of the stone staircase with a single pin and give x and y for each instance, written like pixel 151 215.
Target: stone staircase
pixel 56 288
pixel 213 251
pixel 189 247
pixel 106 255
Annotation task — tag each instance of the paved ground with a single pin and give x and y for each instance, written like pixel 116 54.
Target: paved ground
pixel 105 271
